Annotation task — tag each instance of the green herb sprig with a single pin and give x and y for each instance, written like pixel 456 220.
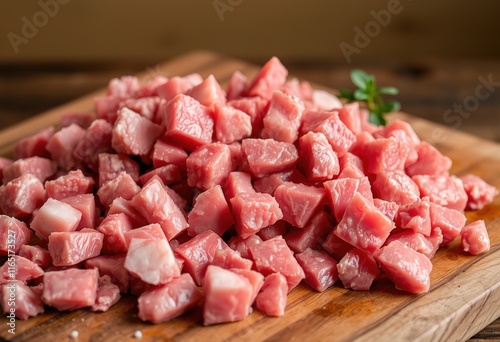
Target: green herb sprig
pixel 369 92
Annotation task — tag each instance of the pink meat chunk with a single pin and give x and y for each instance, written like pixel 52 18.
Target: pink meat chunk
pixel 358 270
pixel 229 259
pixel 384 155
pixel 349 115
pixel 34 145
pixel 449 221
pixel 237 182
pixel 254 211
pixel 147 107
pixel 37 254
pixel 21 196
pixel 209 165
pixel 84 203
pixel 256 108
pixel 312 235
pixel 335 246
pixel 151 231
pixel 210 211
pixel 320 269
pixel 324 100
pixel 13 235
pixel 269 184
pixel 267 156
pixel 168 174
pixel 415 241
pixel 208 93
pixel 114 227
pixel 407 268
pixel 363 225
pixel 242 245
pixel 226 296
pixel 237 85
pixel 447 191
pixel 112 266
pixel 97 139
pixel 70 184
pixel 395 186
pixel 4 162
pixel 19 268
pixel 404 126
pixel 282 120
pixel 154 203
pixel 317 159
pixel 106 107
pixel 123 186
pixel 123 87
pixel 27 301
pixel 390 209
pixel 165 302
pixel 111 165
pixel 82 119
pixel 167 152
pixel 339 193
pixel 71 248
pixel 278 228
pixel 62 144
pixel 474 238
pixel 70 289
pixel 55 216
pixel 134 134
pixel 298 202
pixel 273 256
pixel 272 76
pixel 152 261
pixel 149 87
pixel 188 122
pixel 430 161
pixel 255 278
pixel 339 136
pixel 199 252
pixel 231 124
pixel 351 166
pixel 415 216
pixel 121 205
pixel 42 168
pixel 107 295
pixel 272 298
pixel 479 193
pixel 174 86
pixel 312 118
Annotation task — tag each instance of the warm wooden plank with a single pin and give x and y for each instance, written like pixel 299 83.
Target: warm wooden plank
pixel 464 295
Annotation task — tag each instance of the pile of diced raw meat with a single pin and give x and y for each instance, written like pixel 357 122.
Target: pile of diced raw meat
pixel 183 194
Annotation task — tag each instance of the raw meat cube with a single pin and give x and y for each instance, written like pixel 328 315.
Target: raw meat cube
pixel 174 86
pixel 395 186
pixel 188 122
pixel 339 193
pixel 474 238
pixel 152 261
pixel 415 216
pixel 168 174
pixel 415 241
pixel 97 139
pixel 113 266
pixel 272 298
pixel 382 155
pixel 37 254
pixel 237 182
pixel 336 246
pixel 404 126
pixel 123 186
pixel 271 77
pixel 358 270
pixel 390 209
pixel 154 203
pixel 55 216
pixel 325 100
pixel 282 120
pixel 21 196
pixel 107 294
pixel 71 248
pixel 84 203
pixel 408 269
pixel 269 184
pixel 106 107
pixel 167 152
pixel 42 168
pixel 152 231
pixel 209 165
pixel 313 235
pixel 162 303
pixel 123 87
pixel 62 144
pixel 13 235
pixel 254 211
pixel 231 124
pixel 317 159
pixel 208 93
pixel 114 227
pixel 298 202
pixel 274 256
pixel 34 145
pixel 70 184
pixel 320 269
pixel 70 289
pixel 110 166
pixel 255 278
pixel 210 211
pixel 449 221
pixel 339 136
pixel 27 300
pixel 311 118
pixel 226 296
pixel 4 162
pixel 149 88
pixel 134 134
pixel 267 156
pixel 278 228
pixel 430 161
pixel 121 205
pixel 242 245
pixel 255 107
pixel 199 252
pixel 349 115
pixel 479 193
pixel 229 259
pixel 146 106
pixel 19 268
pixel 363 225
pixel 236 86
pixel 447 191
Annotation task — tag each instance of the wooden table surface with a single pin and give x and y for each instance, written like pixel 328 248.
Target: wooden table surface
pixel 425 90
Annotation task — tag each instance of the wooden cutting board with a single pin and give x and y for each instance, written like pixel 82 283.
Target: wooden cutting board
pixel 465 290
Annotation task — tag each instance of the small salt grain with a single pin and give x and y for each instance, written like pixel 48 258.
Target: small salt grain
pixel 74 334
pixel 138 334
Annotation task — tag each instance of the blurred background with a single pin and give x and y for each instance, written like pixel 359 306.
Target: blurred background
pixel 438 53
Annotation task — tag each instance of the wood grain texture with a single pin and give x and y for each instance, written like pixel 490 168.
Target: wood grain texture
pixel 464 295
